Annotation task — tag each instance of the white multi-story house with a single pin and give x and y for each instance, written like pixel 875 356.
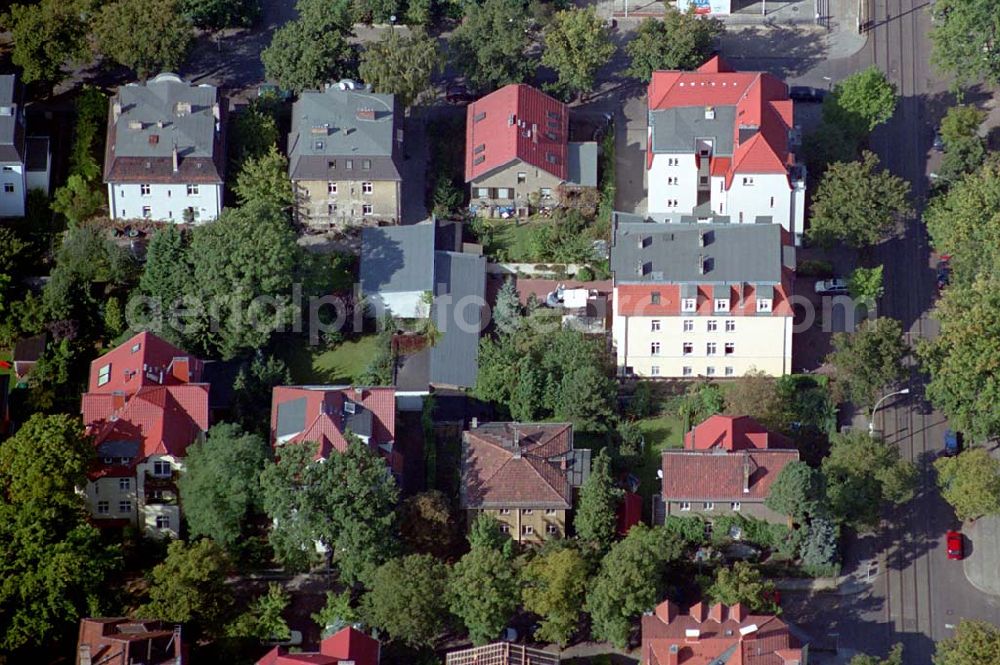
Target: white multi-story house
pixel 165 153
pixel 25 162
pixel 720 149
pixel 701 300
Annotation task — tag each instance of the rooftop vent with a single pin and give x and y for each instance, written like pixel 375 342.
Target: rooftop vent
pixel 154 139
pixel 182 108
pixel 709 113
pixel 692 634
pixel 323 129
pixel 134 124
pixel 511 119
pixel 702 264
pixel 366 113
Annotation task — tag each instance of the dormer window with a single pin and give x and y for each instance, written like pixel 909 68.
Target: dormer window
pixel 104 375
pixel 689 304
pixel 654 298
pixel 763 304
pixel 721 304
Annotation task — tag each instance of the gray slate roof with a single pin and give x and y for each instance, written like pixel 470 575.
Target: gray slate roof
pixel 291 417
pixel 11 132
pixel 193 133
pixel 648 252
pixel 327 132
pixel 582 163
pixel 455 356
pixel 397 259
pixel 675 130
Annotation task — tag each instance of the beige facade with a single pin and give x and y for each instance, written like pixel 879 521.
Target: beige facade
pixel 149 499
pixel 518 184
pixel 343 202
pixel 709 509
pixel 528 526
pixel 704 346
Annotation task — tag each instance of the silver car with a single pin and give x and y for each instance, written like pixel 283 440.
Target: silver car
pixel 831 287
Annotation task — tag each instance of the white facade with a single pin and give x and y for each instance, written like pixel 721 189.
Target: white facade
pixel 693 345
pixel 140 499
pixel 165 202
pixel 15 191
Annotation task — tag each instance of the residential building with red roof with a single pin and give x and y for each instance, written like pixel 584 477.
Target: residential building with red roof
pixel 701 300
pixel 727 466
pixel 146 403
pixel 720 147
pixel 119 640
pixel 717 635
pixel 325 414
pixel 518 152
pixel 348 645
pixel 524 474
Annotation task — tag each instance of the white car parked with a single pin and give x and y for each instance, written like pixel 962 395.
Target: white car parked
pixel 831 287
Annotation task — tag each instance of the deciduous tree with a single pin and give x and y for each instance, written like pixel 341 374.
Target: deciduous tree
pixel 869 360
pixel 219 14
pixel 407 599
pixel 865 285
pixel 797 492
pixel 577 44
pixel 483 592
pixel 861 102
pixel 970 482
pixel 427 525
pixel 743 583
pixel 819 550
pixel 485 532
pixel 190 586
pixel 45 460
pixel 964 149
pixel 857 203
pixel 304 56
pixel 46 36
pixel 596 518
pixel 507 315
pixel 147 36
pixel 336 613
pixel 491 43
pixel 264 180
pixel 964 40
pixel 755 394
pixel 402 66
pixel 973 643
pixel 680 40
pixel 263 620
pixel 555 584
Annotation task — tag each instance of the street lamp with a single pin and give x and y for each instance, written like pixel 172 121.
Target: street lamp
pixel 871 423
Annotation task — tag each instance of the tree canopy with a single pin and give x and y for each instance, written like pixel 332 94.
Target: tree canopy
pixel 555 586
pixel 680 40
pixel 861 102
pixel 484 593
pixel 973 643
pixel 264 180
pixel 45 460
pixel 304 55
pixel 491 43
pixel 219 14
pixel 402 66
pixel 743 583
pixel 895 657
pixel 426 524
pixel 147 36
pixel 869 360
pixel 797 491
pixel 964 37
pixel 596 518
pixel 46 36
pixel 866 285
pixel 857 203
pixel 407 599
pixel 577 44
pixel 964 149
pixel 190 586
pixel 263 620
pixel 970 482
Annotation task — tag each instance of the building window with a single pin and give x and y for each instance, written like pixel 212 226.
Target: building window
pixel 722 304
pixel 161 469
pixel 689 305
pixel 144 190
pixel 703 180
pixel 136 347
pixel 147 212
pixel 687 371
pixel 527 511
pixel 331 208
pixel 8 168
pixel 124 483
pixel 730 371
pixel 366 164
pixel 104 375
pixel 711 348
pixel 162 521
pixel 528 530
pixel 349 164
pixel 505 511
pixel 654 325
pixel 654 349
pixel 504 528
pixel 8 188
pixel 366 188
pixel 688 325
pixel 521 177
pixel 124 506
pixel 331 188
pixel 546 192
pixel 729 348
pixel 654 370
pixel 671 181
pixel 552 529
pixel 483 192
pixel 550 511
pixel 748 182
pixel 736 505
pixel 654 298
pixel 709 371
pixel 730 325
pixel 108 460
pixel 192 190
pixel 713 325
pixel 367 209
pixel 685 505
pixel 772 201
pixel 709 505
pixel 103 508
pixel 503 193
pixel 763 305
pixel 687 348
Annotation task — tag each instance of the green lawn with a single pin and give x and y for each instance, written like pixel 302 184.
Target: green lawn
pixel 665 430
pixel 323 365
pixel 513 239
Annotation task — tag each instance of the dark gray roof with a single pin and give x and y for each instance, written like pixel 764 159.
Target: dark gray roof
pixel 156 106
pixel 359 422
pixel 118 449
pixel 328 131
pixel 675 129
pixel 669 253
pixel 582 163
pixel 291 417
pixel 455 357
pixel 765 292
pixel 11 131
pixel 397 258
pixel 578 469
pixel 37 153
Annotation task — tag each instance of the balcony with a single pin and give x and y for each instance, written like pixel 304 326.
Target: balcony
pixel 154 481
pixel 161 498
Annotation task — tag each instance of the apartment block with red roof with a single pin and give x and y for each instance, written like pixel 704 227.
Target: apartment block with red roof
pixel 701 300
pixel 325 414
pixel 727 466
pixel 721 148
pixel 146 402
pixel 112 641
pixel 524 474
pixel 348 646
pixel 717 635
pixel 518 152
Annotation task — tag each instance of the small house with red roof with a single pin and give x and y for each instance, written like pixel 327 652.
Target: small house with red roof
pixel 727 466
pixel 701 300
pixel 347 646
pixel 146 402
pixel 721 147
pixel 325 414
pixel 518 152
pixel 523 474
pixel 717 635
pixel 120 640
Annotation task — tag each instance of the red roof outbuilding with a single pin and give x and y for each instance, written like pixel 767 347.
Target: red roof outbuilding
pixel 346 645
pixel 732 433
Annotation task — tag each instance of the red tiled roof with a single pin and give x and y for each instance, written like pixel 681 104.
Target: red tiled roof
pixel 530 137
pixel 348 644
pixel 120 640
pixel 323 427
pixel 732 433
pixel 730 634
pixel 496 474
pixel 141 361
pixel 718 476
pixel 635 300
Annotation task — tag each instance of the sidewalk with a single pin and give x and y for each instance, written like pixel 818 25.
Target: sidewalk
pixel 844 585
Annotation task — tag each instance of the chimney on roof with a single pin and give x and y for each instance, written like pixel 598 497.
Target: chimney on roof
pixel 366 113
pixel 216 112
pixel 154 139
pixel 134 124
pixel 534 133
pixel 673 655
pixel 474 423
pixel 709 113
pixel 183 108
pixel 84 655
pixel 691 635
pixel 746 472
pixel 116 111
pixel 701 264
pixel 175 158
pixel 517 443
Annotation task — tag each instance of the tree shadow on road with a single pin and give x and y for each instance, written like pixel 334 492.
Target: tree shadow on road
pixel 784 51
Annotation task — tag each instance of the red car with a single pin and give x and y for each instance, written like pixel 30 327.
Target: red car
pixel 954 542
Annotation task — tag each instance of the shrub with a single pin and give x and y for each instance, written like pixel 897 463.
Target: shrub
pixel 585 274
pixel 814 268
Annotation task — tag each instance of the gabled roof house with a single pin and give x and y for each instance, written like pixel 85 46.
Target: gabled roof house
pixel 114 641
pixel 348 646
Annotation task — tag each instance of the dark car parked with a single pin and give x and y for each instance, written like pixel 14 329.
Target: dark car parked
pixel 804 93
pixel 952 443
